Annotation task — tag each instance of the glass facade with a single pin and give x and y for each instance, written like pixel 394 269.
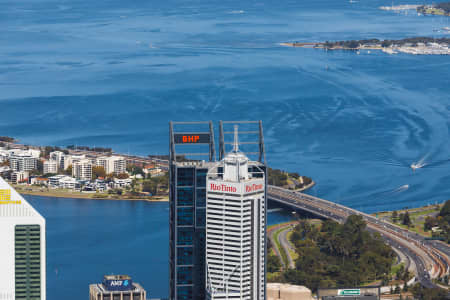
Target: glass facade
pixel 28 262
pixel 187 232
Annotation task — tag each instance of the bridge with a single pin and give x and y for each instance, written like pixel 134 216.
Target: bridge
pixel 428 260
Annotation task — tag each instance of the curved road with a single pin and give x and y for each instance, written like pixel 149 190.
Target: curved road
pixel 430 258
pixel 287 246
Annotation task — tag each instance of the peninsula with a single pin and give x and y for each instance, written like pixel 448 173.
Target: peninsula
pixel 442 9
pixel 416 45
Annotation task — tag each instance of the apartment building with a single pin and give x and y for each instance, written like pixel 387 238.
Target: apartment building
pixel 82 169
pixel 112 164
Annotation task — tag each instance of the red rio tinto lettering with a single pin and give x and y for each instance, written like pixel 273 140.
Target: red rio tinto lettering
pixel 222 188
pixel 253 188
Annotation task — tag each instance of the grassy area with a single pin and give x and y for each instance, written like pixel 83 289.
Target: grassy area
pixel 63 193
pixel 280 248
pixel 395 268
pixel 293 254
pixel 417 216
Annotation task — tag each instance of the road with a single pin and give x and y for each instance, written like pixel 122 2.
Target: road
pixel 429 259
pixel 287 246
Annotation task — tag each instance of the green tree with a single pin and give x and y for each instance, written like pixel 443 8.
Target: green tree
pixel 123 176
pixel 406 219
pixel 98 171
pixel 68 171
pixel 273 263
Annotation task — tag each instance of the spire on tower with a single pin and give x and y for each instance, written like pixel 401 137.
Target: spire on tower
pixel 236 139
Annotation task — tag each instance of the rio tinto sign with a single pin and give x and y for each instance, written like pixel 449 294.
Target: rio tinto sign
pixel 217 187
pixel 235 188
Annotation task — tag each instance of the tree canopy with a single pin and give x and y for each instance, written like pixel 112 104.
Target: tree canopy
pixel 338 255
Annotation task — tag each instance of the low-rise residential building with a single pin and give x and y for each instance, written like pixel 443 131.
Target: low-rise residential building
pixel 34 180
pixel 112 164
pixel 22 161
pixel 62 182
pixel 19 177
pixel 68 183
pixel 120 183
pixel 50 167
pixel 82 169
pixel 154 171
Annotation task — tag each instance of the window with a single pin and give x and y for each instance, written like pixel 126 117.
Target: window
pixel 184 275
pixel 201 177
pixel 185 236
pixel 185 197
pixel 185 216
pixel 185 177
pixel 201 198
pixel 184 293
pixel 184 256
pixel 200 217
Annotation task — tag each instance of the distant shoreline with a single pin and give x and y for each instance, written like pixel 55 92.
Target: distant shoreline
pixel 415 45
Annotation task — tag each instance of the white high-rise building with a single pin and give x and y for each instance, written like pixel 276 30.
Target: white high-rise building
pixel 236 228
pixel 50 167
pixel 112 164
pixel 82 169
pixel 22 253
pixel 22 161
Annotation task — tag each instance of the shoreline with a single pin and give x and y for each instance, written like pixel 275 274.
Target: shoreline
pixel 87 196
pixel 90 196
pixel 415 46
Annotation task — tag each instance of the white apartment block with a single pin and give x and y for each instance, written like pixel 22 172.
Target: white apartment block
pixel 50 167
pixel 112 164
pixel 235 229
pixel 82 169
pixel 66 161
pixel 23 161
pixel 22 254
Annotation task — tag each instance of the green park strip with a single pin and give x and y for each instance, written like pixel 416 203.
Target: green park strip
pixel 279 247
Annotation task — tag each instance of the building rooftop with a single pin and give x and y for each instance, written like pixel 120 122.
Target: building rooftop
pixel 13 205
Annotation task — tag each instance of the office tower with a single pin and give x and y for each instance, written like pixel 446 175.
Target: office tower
pixel 188 208
pixel 236 227
pixel 117 287
pixel 22 253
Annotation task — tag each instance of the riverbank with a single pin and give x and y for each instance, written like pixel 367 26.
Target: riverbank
pixel 60 193
pixel 415 46
pixel 416 215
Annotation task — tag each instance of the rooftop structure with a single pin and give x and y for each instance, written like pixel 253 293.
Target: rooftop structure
pixel 119 287
pixel 236 227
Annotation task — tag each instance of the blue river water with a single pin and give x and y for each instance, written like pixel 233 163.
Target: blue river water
pixel 113 73
pixel 87 239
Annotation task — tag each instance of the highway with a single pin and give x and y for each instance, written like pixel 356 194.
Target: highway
pixel 428 259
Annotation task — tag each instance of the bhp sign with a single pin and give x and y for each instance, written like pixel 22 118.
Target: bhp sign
pixel 253 188
pixel 222 188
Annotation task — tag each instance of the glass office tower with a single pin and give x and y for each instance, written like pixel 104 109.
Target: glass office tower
pixel 188 168
pixel 188 210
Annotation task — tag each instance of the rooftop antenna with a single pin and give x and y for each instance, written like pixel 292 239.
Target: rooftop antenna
pixel 236 139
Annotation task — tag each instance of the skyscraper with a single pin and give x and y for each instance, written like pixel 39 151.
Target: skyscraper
pixel 188 209
pixel 22 253
pixel 189 144
pixel 236 228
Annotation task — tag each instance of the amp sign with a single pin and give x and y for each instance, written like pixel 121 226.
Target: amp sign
pixel 118 285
